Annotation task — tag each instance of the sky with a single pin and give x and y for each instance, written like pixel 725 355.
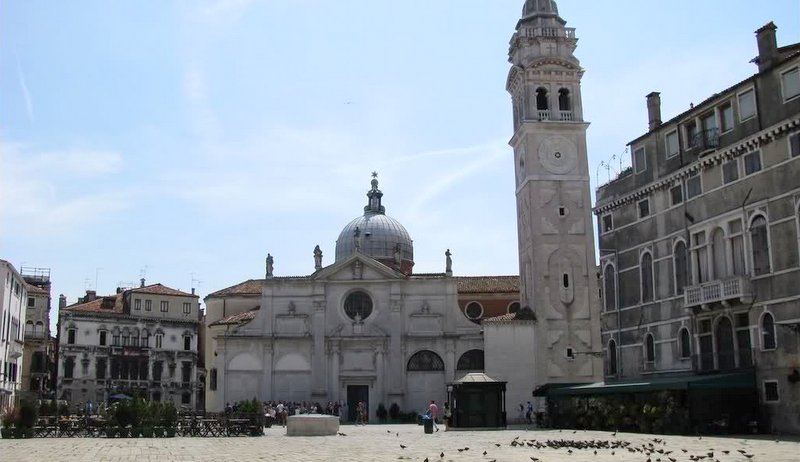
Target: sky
pixel 182 141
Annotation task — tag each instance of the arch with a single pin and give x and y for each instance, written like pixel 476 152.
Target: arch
pixel 610 287
pixel 425 360
pixel 542 103
pixel 719 254
pixel 244 362
pixel 723 333
pixel 472 360
pixel 646 276
pixel 474 311
pixel 768 337
pixel 684 343
pixel 680 264
pixel 759 240
pixel 612 357
pixel 564 102
pixel 39 328
pixel 649 348
pixel 293 362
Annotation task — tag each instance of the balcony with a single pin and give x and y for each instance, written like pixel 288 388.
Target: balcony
pixel 545 115
pixel 15 349
pixel 724 361
pixel 706 140
pixel 719 291
pixel 567 32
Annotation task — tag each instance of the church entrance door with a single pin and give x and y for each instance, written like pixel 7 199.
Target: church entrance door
pixel 355 394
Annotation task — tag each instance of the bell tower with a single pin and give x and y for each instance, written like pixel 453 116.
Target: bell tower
pixel 556 239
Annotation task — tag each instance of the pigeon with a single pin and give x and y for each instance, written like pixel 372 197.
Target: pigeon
pixel 441 455
pixel 484 453
pixel 426 460
pixel 497 444
pixel 403 446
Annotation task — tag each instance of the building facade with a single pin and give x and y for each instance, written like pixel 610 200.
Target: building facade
pixel 364 328
pixel 699 244
pixel 138 342
pixel 557 265
pixel 38 353
pixel 13 297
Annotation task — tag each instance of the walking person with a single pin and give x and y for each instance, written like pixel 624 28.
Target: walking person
pixel 448 416
pixel 433 410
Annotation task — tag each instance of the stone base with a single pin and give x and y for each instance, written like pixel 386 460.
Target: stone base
pixel 312 425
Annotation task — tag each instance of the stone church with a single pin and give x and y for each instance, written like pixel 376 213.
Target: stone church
pixel 367 328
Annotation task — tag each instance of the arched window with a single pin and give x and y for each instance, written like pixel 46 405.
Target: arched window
pixel 649 348
pixel 358 306
pixel 29 327
pixel 685 343
pixel 719 254
pixel 610 288
pixel 474 311
pixel 563 100
pixel 768 332
pixel 471 361
pixel 425 360
pixel 612 357
pixel 680 261
pixel 760 245
pixel 541 99
pixel 646 273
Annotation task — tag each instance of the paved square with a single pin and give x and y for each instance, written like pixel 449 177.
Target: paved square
pixel 382 443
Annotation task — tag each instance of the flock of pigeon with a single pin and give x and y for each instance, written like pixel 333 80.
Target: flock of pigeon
pixel 651 451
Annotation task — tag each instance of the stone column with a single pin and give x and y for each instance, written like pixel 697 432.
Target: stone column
pixel 318 369
pixel 380 370
pixel 266 378
pixel 333 386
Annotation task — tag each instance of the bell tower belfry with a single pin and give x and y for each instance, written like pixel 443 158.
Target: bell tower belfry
pixel 555 229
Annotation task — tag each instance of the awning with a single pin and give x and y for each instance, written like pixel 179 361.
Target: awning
pixel 544 390
pixel 739 380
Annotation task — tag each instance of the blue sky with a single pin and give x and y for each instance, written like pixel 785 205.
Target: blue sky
pixel 184 140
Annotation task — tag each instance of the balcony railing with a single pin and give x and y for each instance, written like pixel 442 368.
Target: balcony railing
pixel 546 114
pixel 720 290
pixel 705 140
pixel 568 32
pixel 724 361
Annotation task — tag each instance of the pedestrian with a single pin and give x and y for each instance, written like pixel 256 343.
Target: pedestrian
pixel 433 410
pixel 529 413
pixel 448 415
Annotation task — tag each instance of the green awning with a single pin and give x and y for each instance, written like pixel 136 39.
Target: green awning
pixel 739 380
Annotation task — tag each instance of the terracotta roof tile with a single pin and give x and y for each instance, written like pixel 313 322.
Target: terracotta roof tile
pixel 487 284
pixel 249 287
pixel 160 289
pixel 32 289
pixel 97 306
pixel 524 314
pixel 237 319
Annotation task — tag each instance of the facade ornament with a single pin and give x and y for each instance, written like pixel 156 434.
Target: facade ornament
pixel 397 259
pixel 448 269
pixel 357 237
pixel 317 258
pixel 270 263
pixel 292 308
pixel 358 270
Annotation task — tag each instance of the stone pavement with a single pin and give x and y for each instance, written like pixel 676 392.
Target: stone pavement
pixel 382 443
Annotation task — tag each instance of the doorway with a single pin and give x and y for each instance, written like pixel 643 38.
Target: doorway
pixel 355 394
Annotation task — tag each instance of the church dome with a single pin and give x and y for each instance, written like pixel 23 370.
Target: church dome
pixel 533 7
pixel 377 235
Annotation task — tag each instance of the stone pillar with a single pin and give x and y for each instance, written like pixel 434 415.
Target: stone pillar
pixel 380 392
pixel 333 386
pixel 318 369
pixel 266 378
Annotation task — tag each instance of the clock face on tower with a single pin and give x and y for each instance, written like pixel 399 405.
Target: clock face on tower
pixel 558 154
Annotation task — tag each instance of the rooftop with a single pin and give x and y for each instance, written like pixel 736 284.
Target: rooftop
pixel 487 284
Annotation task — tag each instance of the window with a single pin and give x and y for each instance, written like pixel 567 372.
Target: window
pixel 126 340
pixel 145 340
pixel 737 247
pixel 752 162
pixel 726 117
pixel 570 353
pixel 115 340
pixel 794 145
pixel 164 306
pixel 158 370
pixel 685 343
pixel 148 305
pixel 159 340
pixel 187 308
pixel 69 367
pixel 562 211
pixel 771 394
pixel 694 187
pixel 137 304
pixel 212 379
pixel 541 99
pixel 474 311
pixel 103 335
pixel 709 124
pixel 768 332
pixel 100 368
pixel 186 398
pixel 730 171
pixel 31 302
pixel 644 208
pixel 513 307
pixel 701 256
pixel 790 81
pixel 472 360
pixel 608 223
pixel 691 134
pixel 71 336
pixel 358 306
pixel 186 371
pixel 679 259
pixel 563 100
pixel 672 145
pixel 676 194
pixel 187 342
pixel 565 280
pixel 425 360
pixel 760 245
pixel 639 160
pixel 646 272
pixel 649 348
pixel 612 357
pixel 747 105
pixel 610 288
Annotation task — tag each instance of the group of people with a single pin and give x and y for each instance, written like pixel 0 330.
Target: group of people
pixel 279 411
pixel 433 414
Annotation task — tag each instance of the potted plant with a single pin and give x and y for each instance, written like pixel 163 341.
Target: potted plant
pixel 382 413
pixel 394 412
pixel 8 418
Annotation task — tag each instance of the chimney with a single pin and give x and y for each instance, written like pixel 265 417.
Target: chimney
pixel 767 46
pixel 654 110
pixel 90 296
pixel 62 301
pixel 141 282
pixel 119 290
pixel 192 290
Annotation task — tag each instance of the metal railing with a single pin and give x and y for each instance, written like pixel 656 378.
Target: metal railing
pixel 705 140
pixel 724 361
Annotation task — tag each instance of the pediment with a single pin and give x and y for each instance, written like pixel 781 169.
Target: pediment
pixel 357 267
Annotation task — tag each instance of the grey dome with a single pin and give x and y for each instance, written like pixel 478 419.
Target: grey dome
pixel 533 7
pixel 376 235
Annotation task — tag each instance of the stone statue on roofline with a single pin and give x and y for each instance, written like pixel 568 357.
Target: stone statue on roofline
pixel 317 258
pixel 448 263
pixel 270 262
